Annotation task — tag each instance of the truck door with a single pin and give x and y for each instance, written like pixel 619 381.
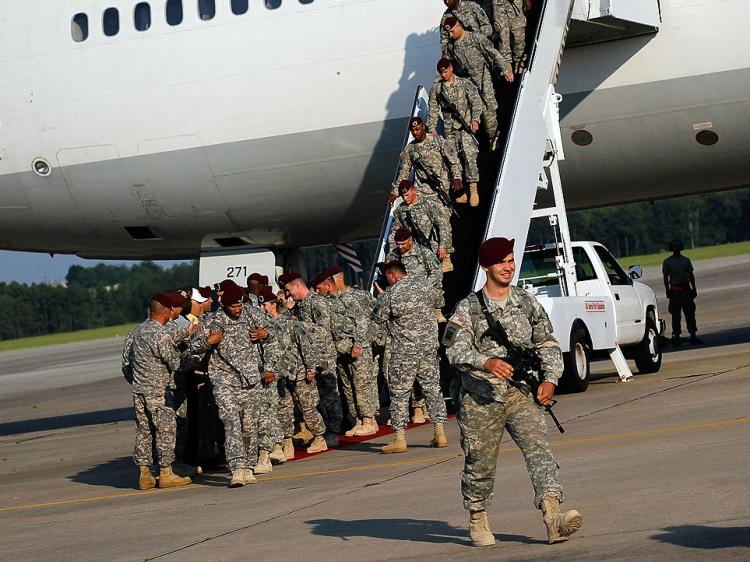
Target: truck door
pixel 628 309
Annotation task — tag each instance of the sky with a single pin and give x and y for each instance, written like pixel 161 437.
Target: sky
pixel 31 267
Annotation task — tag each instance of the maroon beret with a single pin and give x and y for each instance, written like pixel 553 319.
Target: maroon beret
pixel 267 295
pixel 164 299
pixel 404 186
pixel 414 121
pixel 285 278
pixel 495 250
pixel 321 277
pixel 226 284
pixel 255 277
pixel 402 234
pixel 334 270
pixel 205 292
pixel 450 22
pixel 443 64
pixel 263 280
pixel 232 295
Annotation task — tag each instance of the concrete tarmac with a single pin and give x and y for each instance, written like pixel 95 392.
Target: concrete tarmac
pixel 658 467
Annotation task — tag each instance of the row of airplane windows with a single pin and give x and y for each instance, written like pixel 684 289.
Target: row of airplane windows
pixel 173 10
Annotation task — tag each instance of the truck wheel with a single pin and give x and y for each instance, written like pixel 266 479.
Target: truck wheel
pixel 577 365
pixel 647 354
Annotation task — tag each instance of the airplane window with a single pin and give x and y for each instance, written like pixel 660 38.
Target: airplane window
pixel 111 22
pixel 239 7
pixel 142 16
pixel 206 9
pixel 305 1
pixel 174 12
pixel 272 4
pixel 79 27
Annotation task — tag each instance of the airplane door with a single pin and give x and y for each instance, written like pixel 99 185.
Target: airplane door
pixel 627 303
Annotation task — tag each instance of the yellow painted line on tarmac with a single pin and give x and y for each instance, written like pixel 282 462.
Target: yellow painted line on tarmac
pixel 555 444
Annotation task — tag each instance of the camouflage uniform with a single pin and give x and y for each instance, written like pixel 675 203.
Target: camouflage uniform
pixel 235 368
pixel 315 315
pixel 430 228
pixel 509 23
pixel 472 18
pixel 470 59
pixel 153 359
pixel 422 263
pixel 181 340
pixel 406 308
pixel 270 432
pixel 439 157
pixel 457 95
pixel 488 405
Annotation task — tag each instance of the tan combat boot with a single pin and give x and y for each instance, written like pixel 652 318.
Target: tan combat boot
pixel 418 416
pixel 398 445
pixel 479 529
pixel 168 479
pixel 439 439
pixel 146 481
pixel 559 526
pixel 353 431
pixel 462 199
pixel 439 315
pixel 238 478
pixel 277 455
pixel 318 445
pixel 264 463
pixel 369 427
pixel 304 434
pixel 288 448
pixel 447 264
pixel 473 194
pixel 247 476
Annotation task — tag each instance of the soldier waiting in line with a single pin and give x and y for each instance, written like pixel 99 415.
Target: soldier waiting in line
pixel 429 227
pixel 255 284
pixel 509 23
pixel 475 57
pixel 470 14
pixel 406 308
pixel 679 284
pixel 461 107
pixel 490 401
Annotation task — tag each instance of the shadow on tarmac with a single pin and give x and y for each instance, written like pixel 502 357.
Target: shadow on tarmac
pixel 733 336
pixel 116 473
pixel 700 536
pixel 415 530
pixel 63 422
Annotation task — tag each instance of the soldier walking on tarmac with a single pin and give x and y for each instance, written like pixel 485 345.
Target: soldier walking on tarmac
pixel 491 401
pixel 459 102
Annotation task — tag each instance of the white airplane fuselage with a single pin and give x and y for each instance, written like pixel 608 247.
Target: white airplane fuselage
pixel 283 126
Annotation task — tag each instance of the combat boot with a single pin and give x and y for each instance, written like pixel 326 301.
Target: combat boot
pixel 473 194
pixel 439 315
pixel 277 455
pixel 479 529
pixel 247 476
pixel 146 481
pixel 168 479
pixel 304 434
pixel 353 431
pixel 418 416
pixel 559 525
pixel 447 264
pixel 398 445
pixel 238 478
pixel 264 463
pixel 318 445
pixel 369 427
pixel 288 448
pixel 439 439
pixel 462 199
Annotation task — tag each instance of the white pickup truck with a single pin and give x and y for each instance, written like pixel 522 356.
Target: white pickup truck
pixel 604 309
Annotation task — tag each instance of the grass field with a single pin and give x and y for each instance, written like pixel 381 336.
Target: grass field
pixel 698 254
pixel 67 337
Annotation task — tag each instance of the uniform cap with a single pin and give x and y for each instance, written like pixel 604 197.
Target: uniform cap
pixel 450 22
pixel 402 234
pixel 443 64
pixel 267 295
pixel 288 277
pixel 256 277
pixel 205 292
pixel 233 294
pixel 404 186
pixel 226 284
pixel 321 277
pixel 179 299
pixel 414 121
pixel 495 250
pixel 263 280
pixel 196 296
pixel 334 270
pixel 164 299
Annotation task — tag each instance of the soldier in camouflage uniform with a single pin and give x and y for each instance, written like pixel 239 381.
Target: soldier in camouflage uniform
pixel 432 159
pixel 151 360
pixel 314 313
pixel 488 404
pixel 509 23
pixel 297 367
pixel 240 365
pixel 430 228
pixel 475 57
pixel 470 14
pixel 459 102
pixel 406 309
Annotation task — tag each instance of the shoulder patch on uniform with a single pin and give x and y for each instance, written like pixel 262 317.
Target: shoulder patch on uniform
pixel 458 320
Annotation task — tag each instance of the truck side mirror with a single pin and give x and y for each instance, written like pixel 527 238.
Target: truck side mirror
pixel 635 272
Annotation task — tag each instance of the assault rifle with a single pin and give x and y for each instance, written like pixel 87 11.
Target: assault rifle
pixel 457 114
pixel 433 181
pixel 526 363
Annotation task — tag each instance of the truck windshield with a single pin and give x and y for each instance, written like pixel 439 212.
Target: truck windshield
pixel 539 268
